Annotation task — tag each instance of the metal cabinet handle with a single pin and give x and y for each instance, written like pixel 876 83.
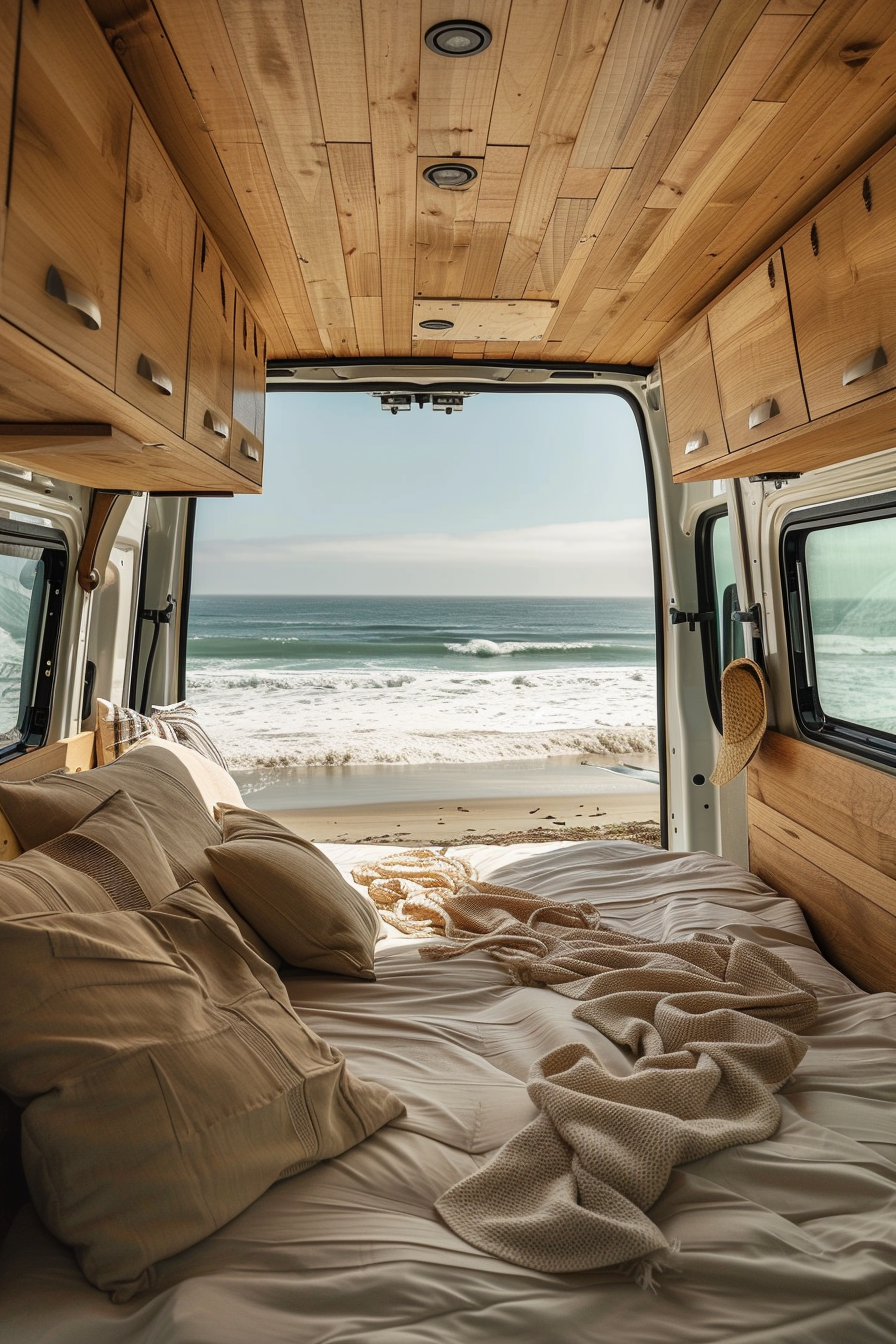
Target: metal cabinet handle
pixel 154 373
pixel 216 425
pixel 876 360
pixel 249 450
pixel 763 412
pixel 698 441
pixel 69 291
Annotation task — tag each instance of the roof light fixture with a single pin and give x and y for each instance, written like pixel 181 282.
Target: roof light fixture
pixel 435 324
pixel 450 174
pixel 458 37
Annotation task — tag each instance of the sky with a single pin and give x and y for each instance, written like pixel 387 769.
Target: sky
pixel 517 495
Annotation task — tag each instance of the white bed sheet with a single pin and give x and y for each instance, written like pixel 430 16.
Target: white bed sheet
pixel 789 1241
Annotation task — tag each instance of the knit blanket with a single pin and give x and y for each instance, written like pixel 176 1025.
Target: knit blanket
pixel 709 1025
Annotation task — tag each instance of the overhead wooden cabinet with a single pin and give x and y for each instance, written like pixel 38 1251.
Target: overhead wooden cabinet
pixel 210 389
pixel 691 398
pixel 156 284
pixel 755 359
pixel 62 255
pixel 247 437
pixel 841 269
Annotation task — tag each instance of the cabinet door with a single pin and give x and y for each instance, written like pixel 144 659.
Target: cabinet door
pixel 9 35
pixel 841 270
pixel 210 385
pixel 247 440
pixel 755 358
pixel 691 399
pixel 66 194
pixel 156 285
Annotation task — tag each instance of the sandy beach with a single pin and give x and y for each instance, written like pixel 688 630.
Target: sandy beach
pixel 580 816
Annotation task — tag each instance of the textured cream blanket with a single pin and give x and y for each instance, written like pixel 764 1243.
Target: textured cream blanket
pixel 709 1023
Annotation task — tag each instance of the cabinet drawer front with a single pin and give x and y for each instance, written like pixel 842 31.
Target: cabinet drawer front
pixel 246 449
pixel 210 386
pixel 156 285
pixel 841 269
pixel 755 358
pixel 67 185
pixel 691 399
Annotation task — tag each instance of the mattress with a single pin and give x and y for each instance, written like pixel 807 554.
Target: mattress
pixel 788 1241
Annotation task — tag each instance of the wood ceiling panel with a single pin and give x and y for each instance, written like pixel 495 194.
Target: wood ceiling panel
pixel 581 45
pixel 457 92
pixel 525 66
pixel 275 59
pixel 351 169
pixel 392 53
pixel 633 156
pixel 336 39
pixel 564 232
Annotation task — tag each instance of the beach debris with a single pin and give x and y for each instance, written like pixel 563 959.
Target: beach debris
pixel 549 816
pixel 463 809
pixel 559 823
pixel 534 810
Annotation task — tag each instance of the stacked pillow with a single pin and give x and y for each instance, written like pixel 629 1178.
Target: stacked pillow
pixel 118 729
pixel 166 1080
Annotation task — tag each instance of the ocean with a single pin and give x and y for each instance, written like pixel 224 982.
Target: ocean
pixel 291 684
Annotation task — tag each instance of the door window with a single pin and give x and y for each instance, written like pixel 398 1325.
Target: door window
pixel 840 573
pixel 32 580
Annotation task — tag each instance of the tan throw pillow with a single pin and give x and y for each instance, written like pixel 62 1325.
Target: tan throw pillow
pixel 296 898
pixel 174 791
pixel 109 861
pixel 167 1082
pixel 118 729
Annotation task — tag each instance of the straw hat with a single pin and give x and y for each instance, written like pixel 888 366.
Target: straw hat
pixel 744 717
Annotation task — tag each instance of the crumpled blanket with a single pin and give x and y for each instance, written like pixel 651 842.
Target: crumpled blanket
pixel 710 1023
pixel 401 883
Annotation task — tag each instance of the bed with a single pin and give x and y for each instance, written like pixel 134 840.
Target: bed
pixel 790 1241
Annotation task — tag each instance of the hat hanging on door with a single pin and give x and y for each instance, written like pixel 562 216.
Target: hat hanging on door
pixel 744 717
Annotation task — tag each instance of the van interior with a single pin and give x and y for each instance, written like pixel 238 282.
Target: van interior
pixel 256 1089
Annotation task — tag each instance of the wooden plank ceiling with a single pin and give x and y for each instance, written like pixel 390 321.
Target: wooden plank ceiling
pixel 632 156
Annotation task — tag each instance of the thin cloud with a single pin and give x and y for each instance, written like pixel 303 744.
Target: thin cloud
pixel 568 559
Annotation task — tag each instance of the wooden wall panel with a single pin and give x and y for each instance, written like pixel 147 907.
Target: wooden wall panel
pixel 823 831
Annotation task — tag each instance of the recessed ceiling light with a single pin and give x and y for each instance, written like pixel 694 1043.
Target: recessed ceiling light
pixel 458 37
pixel 436 324
pixel 450 174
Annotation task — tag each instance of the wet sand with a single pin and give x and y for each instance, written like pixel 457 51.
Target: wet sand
pixel 581 816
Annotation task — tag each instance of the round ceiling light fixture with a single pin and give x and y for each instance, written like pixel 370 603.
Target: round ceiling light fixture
pixel 436 324
pixel 458 37
pixel 450 174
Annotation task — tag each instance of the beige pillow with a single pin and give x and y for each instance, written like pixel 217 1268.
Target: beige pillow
pixel 175 791
pixel 296 898
pixel 109 861
pixel 166 1080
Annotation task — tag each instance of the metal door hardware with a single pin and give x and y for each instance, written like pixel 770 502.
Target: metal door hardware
pixel 693 618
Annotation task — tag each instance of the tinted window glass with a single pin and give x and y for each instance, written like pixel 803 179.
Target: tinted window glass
pixel 850 580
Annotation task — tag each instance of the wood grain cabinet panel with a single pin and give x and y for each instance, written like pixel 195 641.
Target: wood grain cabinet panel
pixel 9 34
pixel 156 285
pixel 247 438
pixel 210 385
pixel 691 399
pixel 755 358
pixel 841 270
pixel 67 188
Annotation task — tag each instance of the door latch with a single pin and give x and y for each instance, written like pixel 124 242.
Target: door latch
pixel 693 618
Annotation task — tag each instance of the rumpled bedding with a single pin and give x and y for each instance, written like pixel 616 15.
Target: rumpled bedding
pixel 790 1240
